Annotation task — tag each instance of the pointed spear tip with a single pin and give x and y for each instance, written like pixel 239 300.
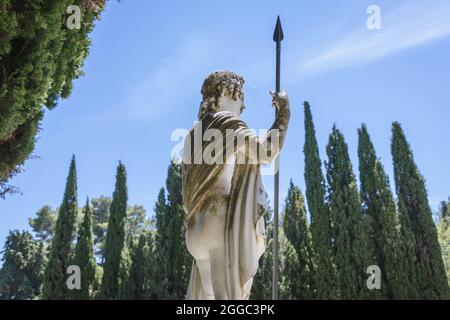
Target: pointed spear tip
pixel 278 35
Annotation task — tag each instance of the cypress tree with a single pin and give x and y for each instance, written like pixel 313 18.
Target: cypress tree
pixel 416 216
pixel 125 289
pixel 84 255
pixel 181 260
pixel 173 258
pixel 321 226
pixel 137 269
pixel 39 59
pixel 150 269
pixel 61 246
pixel 296 230
pixel 290 282
pixel 115 236
pixel 161 247
pixel 397 279
pixel 353 248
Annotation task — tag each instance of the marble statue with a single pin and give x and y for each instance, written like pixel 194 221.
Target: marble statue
pixel 223 195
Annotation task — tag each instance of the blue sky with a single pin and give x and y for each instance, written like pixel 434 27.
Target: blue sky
pixel 149 58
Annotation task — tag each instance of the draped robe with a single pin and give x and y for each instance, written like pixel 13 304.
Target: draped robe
pixel 243 231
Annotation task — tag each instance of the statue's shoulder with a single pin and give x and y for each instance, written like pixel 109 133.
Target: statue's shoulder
pixel 227 117
pixel 224 114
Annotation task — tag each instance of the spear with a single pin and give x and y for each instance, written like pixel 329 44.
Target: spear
pixel 277 37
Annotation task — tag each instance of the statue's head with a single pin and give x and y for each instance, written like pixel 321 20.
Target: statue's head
pixel 222 91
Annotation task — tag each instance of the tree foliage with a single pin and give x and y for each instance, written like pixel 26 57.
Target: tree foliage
pixel 84 255
pixel 299 264
pixel 115 237
pixel 61 246
pixel 100 215
pixel 135 287
pixel 262 282
pixel 353 250
pixel 321 226
pixel 417 219
pixel 43 224
pixel 378 203
pixel 39 59
pixel 173 259
pixel 23 264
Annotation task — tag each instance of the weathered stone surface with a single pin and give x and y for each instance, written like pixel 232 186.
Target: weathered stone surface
pixel 223 194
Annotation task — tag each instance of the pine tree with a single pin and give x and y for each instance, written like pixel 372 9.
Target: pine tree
pixel 135 223
pixel 100 213
pixel 353 247
pixel 416 216
pixel 321 226
pixel 43 224
pixel 61 247
pixel 39 59
pixel 115 236
pixel 84 255
pixel 444 209
pixel 397 278
pixel 296 230
pixel 22 270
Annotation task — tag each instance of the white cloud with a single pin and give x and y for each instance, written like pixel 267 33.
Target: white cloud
pixel 412 25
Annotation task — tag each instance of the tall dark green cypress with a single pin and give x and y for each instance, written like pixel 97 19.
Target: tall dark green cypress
pixel 125 289
pixel 39 59
pixel 137 269
pixel 115 236
pixel 161 248
pixel 84 255
pixel 296 229
pixel 352 243
pixel 61 247
pixel 173 257
pixel 321 226
pixel 290 285
pixel 150 268
pixel 181 260
pixel 416 216
pixel 397 278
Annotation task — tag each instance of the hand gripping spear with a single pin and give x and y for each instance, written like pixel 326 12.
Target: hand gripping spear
pixel 277 37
